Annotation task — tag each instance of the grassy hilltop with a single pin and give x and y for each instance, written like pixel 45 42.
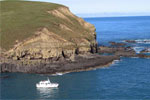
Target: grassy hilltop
pixel 21 19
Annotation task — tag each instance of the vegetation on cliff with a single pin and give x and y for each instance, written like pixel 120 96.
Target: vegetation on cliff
pixel 22 19
pixel 36 30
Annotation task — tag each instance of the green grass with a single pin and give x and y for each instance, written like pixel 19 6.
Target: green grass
pixel 21 19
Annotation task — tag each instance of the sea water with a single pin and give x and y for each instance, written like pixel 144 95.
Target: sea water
pixel 127 79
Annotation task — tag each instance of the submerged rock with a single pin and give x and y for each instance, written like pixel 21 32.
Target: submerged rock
pixel 146 50
pixel 130 41
pixel 143 56
pixel 123 51
pixel 115 44
pixel 119 51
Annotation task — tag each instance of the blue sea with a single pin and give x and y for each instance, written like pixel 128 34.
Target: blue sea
pixel 127 79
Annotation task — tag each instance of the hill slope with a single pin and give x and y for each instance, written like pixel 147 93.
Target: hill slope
pixel 38 29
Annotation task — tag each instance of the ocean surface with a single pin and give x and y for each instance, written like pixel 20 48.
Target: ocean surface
pixel 127 79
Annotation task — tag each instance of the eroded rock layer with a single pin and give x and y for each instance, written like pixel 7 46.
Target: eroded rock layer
pixel 65 37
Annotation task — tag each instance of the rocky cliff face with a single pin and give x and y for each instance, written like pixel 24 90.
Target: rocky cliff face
pixel 77 37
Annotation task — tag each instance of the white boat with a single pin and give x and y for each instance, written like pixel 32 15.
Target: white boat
pixel 46 84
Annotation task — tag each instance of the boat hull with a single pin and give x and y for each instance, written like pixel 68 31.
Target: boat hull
pixel 47 86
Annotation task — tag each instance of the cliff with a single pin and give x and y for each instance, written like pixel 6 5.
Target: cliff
pixel 39 30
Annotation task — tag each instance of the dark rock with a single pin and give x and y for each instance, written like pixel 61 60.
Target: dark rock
pixel 77 51
pixel 81 63
pixel 106 49
pixel 143 56
pixel 94 48
pixel 117 44
pixel 130 41
pixel 146 50
pixel 126 53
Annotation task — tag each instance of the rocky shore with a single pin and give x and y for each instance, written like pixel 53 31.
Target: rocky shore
pixel 81 63
pixel 57 42
pixel 53 42
pixel 95 58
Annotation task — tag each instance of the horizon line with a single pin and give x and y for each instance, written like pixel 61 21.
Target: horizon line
pixel 115 16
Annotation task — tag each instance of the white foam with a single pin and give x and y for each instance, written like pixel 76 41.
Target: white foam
pixel 115 62
pixel 138 49
pixel 143 41
pixel 58 74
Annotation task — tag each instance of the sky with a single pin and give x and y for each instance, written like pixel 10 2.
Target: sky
pixel 106 7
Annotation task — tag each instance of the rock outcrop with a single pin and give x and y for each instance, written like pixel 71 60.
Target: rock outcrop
pixel 64 38
pixel 81 63
pixel 49 41
pixel 122 51
pixel 146 50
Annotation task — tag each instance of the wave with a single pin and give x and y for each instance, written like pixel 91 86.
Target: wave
pixel 140 41
pixel 58 74
pixel 115 62
pixel 138 49
pixel 143 41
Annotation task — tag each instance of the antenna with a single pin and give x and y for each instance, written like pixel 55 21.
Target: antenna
pixel 48 79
